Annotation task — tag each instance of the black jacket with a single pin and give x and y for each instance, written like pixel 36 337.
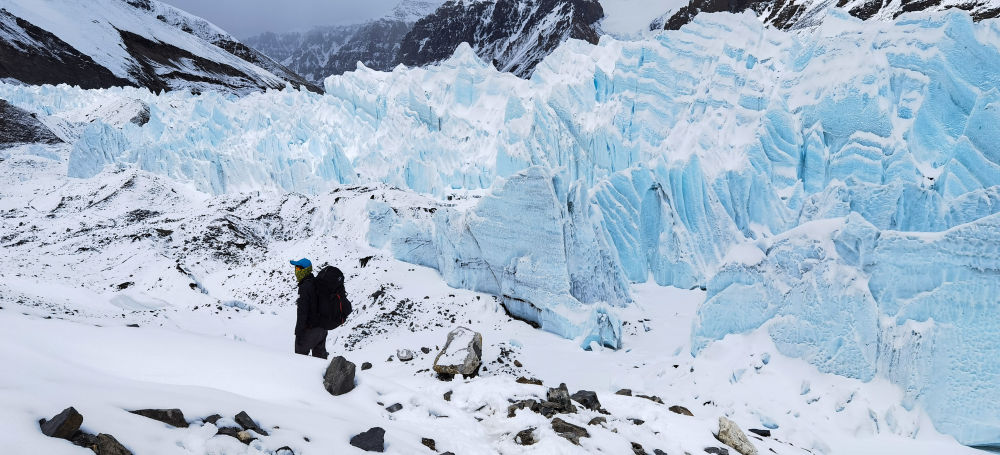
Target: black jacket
pixel 306 304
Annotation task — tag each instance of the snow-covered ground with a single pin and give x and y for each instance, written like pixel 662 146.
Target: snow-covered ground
pixel 85 259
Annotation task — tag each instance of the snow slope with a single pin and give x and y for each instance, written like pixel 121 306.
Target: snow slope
pixel 800 178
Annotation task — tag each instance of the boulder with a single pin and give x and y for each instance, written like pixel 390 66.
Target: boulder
pixel 624 392
pixel 462 353
pixel 653 398
pixel 731 435
pixel 560 397
pixel 394 408
pixel 524 380
pixel 526 437
pixel 85 440
pixel 404 355
pixel 63 425
pixel 717 450
pixel 637 449
pixel 248 424
pixel 598 420
pixel 366 366
pixel 372 440
pixel 108 445
pixel 429 443
pixel 245 437
pixel 587 399
pixel 513 408
pixel 680 410
pixel 569 431
pixel 339 376
pixel 761 432
pixel 172 417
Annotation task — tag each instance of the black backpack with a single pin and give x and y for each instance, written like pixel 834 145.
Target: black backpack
pixel 333 304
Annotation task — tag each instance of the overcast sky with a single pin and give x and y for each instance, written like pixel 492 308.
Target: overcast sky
pixel 244 18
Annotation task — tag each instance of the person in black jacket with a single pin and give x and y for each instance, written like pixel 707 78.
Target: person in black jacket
pixel 308 337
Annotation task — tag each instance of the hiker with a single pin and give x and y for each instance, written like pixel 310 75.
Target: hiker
pixel 309 336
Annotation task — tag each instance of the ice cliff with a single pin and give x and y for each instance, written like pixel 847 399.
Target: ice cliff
pixel 836 186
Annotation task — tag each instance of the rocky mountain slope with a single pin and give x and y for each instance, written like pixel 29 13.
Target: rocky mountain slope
pixel 141 43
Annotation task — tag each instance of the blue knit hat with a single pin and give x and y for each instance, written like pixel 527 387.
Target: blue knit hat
pixel 304 263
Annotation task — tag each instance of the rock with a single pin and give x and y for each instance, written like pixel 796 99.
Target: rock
pixel 248 424
pixel 731 435
pixel 512 409
pixel 636 421
pixel 653 398
pixel 680 410
pixel 447 396
pixel 760 432
pixel 546 408
pixel 229 431
pixel 587 399
pixel 569 431
pixel 717 450
pixel 245 437
pixel 560 397
pixel 284 451
pixel 425 350
pixel 637 449
pixel 524 380
pixel 63 425
pixel 339 376
pixel 598 420
pixel 462 353
pixel 526 437
pixel 404 355
pixel 394 408
pixel 85 440
pixel 108 445
pixel 625 392
pixel 659 452
pixel 517 363
pixel 372 440
pixel 168 416
pixel 212 419
pixel 429 443
pixel 366 366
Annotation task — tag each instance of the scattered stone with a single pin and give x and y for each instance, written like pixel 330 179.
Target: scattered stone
pixel 625 392
pixel 372 440
pixel 429 443
pixel 526 437
pixel 447 396
pixel 559 396
pixel 108 445
pixel 366 366
pixel 248 424
pixel 636 421
pixel 512 409
pixel 284 451
pixel 653 398
pixel 229 431
pixel 680 410
pixel 637 449
pixel 404 355
pixel 245 437
pixel 518 364
pixel 394 408
pixel 63 425
pixel 339 376
pixel 569 431
pixel 462 353
pixel 212 419
pixel 598 420
pixel 172 417
pixel 717 450
pixel 659 452
pixel 425 350
pixel 587 399
pixel 524 380
pixel 731 435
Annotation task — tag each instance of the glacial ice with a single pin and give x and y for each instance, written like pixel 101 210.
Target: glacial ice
pixel 837 186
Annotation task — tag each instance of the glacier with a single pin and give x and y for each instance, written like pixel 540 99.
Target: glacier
pixel 837 186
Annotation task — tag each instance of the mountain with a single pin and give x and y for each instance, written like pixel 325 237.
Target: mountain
pixel 512 34
pixel 333 50
pixel 794 14
pixel 143 43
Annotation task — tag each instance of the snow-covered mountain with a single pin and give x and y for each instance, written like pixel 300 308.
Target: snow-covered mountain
pixel 145 43
pixel 333 50
pixel 512 34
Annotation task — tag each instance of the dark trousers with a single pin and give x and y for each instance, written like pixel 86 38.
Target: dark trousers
pixel 314 340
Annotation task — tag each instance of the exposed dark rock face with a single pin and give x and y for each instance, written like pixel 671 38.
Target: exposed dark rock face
pixel 18 126
pixel 257 58
pixel 372 440
pixel 376 45
pixel 35 56
pixel 168 416
pixel 512 34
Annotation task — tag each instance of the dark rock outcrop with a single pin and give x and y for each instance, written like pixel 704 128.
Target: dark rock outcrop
pixel 587 399
pixel 108 445
pixel 168 416
pixel 18 126
pixel 339 376
pixel 569 431
pixel 248 423
pixel 63 425
pixel 372 440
